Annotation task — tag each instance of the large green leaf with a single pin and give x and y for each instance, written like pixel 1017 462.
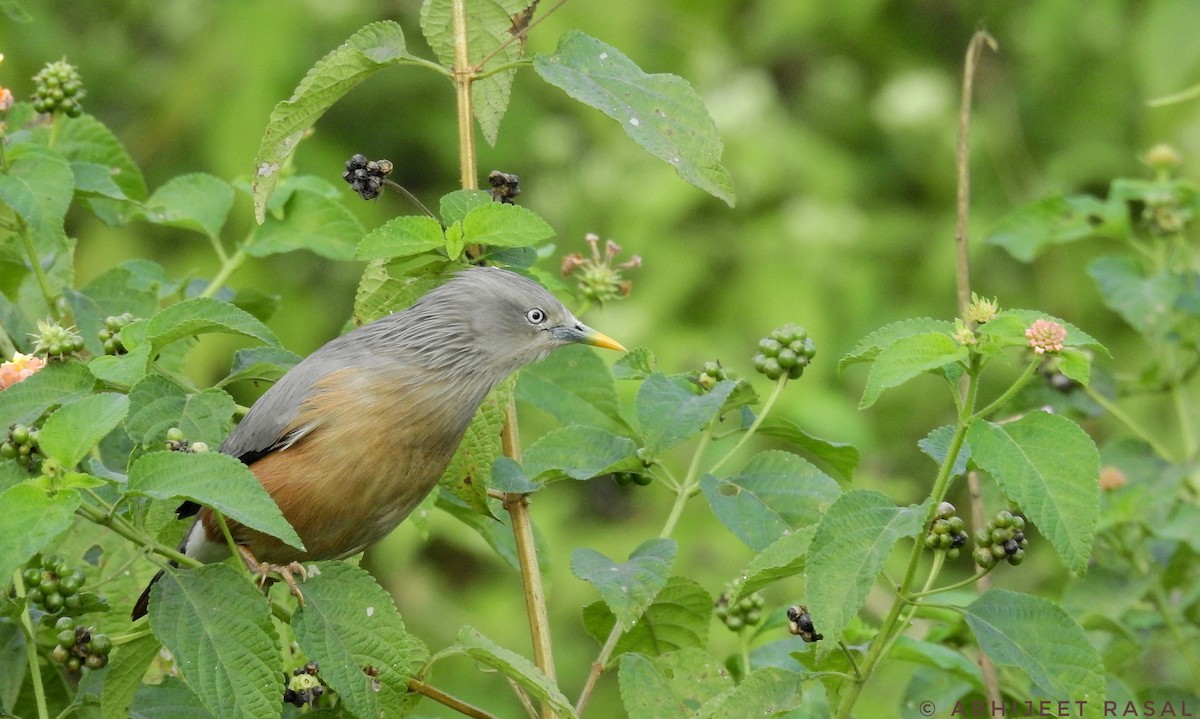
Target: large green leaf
pixel 515 667
pixel 400 237
pixel 156 404
pixel 201 315
pixel 669 412
pixel 213 479
pixel 388 286
pixel 196 202
pixel 869 347
pixel 580 452
pixel 783 559
pixel 102 166
pixel 847 553
pixel 466 476
pixel 1057 219
pixel 169 699
pixel 909 357
pixel 369 50
pixel 841 457
pixel 671 686
pixel 775 493
pixel 30 520
pixel 627 588
pixel 1147 303
pixel 128 665
pixel 71 432
pixel 37 186
pixel 1050 467
pixel 764 692
pixel 679 617
pixel 1039 638
pixel 310 222
pixel 502 225
pixel 59 383
pixel 574 386
pixel 259 364
pixel 661 113
pixel 349 623
pixel 218 626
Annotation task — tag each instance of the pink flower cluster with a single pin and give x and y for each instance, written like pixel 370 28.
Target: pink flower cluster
pixel 20 367
pixel 1046 336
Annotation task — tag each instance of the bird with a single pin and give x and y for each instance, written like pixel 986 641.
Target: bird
pixel 352 438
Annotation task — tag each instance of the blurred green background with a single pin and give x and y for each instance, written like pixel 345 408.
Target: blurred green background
pixel 839 122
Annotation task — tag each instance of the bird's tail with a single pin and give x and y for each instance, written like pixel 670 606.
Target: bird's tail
pixel 143 603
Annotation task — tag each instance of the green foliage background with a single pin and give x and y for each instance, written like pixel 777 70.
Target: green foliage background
pixel 839 123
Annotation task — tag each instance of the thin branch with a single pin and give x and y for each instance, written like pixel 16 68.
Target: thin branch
pixel 441 697
pixel 518 36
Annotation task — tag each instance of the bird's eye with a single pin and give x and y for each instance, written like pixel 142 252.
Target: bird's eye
pixel 535 316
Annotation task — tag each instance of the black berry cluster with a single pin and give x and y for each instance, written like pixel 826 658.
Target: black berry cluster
pixel 52 585
pixel 303 687
pixel 800 623
pixel 111 334
pixel 505 186
pixel 366 176
pixel 80 646
pixel 709 374
pixel 56 341
pixel 746 612
pixel 21 445
pixel 948 532
pixel 1001 538
pixel 787 350
pixel 58 88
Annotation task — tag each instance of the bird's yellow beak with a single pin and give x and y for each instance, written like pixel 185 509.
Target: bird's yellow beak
pixel 586 335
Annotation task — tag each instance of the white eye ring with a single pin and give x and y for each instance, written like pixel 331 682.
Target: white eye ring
pixel 535 316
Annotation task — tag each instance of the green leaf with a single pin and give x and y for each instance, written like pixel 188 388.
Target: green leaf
pixel 515 667
pixel 764 692
pixel 1027 231
pixel 31 519
pixel 466 476
pixel 215 480
pixel 574 386
pixel 508 476
pixel 196 202
pixel 936 444
pixel 669 412
pixel 1076 365
pixel 1008 330
pixel 638 363
pixel 255 364
pixel 58 383
pixel 310 222
pixel 841 457
pixel 85 141
pixel 218 626
pixel 628 588
pixel 157 404
pixel 390 286
pixel 369 50
pixel 71 432
pixel 169 699
pixel 349 622
pixel 869 347
pixel 774 493
pixel 122 370
pixel 128 665
pixel 1039 638
pixel 907 358
pixel 848 551
pixel 400 237
pixel 38 186
pixel 201 315
pixel 501 225
pixel 1146 303
pixel 783 559
pixel 671 686
pixel 454 206
pixel 490 24
pixel 661 113
pixel 678 618
pixel 1049 467
pixel 937 656
pixel 580 452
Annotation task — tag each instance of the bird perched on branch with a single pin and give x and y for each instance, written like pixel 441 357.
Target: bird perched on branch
pixel 352 438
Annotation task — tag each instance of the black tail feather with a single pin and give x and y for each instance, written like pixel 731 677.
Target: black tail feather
pixel 143 603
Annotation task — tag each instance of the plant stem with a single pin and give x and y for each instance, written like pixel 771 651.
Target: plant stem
pixel 762 415
pixel 42 279
pixel 463 76
pixel 849 657
pixel 441 697
pixel 228 266
pixel 1012 389
pixel 124 529
pixel 602 658
pixel 1119 415
pixel 35 669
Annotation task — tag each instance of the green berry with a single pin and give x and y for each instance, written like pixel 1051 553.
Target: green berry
pixel 53 602
pixel 66 638
pixel 983 537
pixel 48 585
pixel 95 661
pixel 64 623
pixel 61 654
pixel 953 553
pixel 1018 523
pixel 769 347
pixel 8 450
pixel 734 622
pixel 941 526
pixel 199 447
pixel 32 576
pixel 945 510
pixel 945 541
pixel 72 602
pixel 787 358
pixel 999 536
pixel 772 369
pixel 998 552
pixel 174 434
pixel 642 480
pixel 984 558
pixel 100 644
pixel 1004 518
pixel 1016 557
pixel 19 434
pixel 753 617
pixel 69 584
pixel 956 524
pixel 931 541
pixel 73 664
pixel 35 596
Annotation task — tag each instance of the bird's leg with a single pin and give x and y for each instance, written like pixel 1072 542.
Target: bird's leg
pixel 263 570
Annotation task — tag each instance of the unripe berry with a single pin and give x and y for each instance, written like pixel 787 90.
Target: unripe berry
pixel 1004 518
pixel 984 558
pixel 941 526
pixel 73 664
pixel 945 510
pixel 53 602
pixel 96 661
pixel 100 644
pixel 64 623
pixel 1016 557
pixel 61 654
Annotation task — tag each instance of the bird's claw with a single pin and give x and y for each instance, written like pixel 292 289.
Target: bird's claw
pixel 286 572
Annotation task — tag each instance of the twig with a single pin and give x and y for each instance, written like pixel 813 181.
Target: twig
pixel 519 35
pixel 463 76
pixel 419 687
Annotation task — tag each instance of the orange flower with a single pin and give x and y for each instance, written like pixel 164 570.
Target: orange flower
pixel 19 368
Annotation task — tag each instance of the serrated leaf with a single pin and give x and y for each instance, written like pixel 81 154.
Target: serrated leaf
pixel 156 404
pixel 579 452
pixel 390 286
pixel 869 347
pixel 350 623
pixel 215 480
pixel 637 363
pixel 1075 365
pixel 848 550
pixel 515 667
pixel 466 476
pixel 1008 329
pixel 369 50
pixel 218 626
pixel 496 530
pixel 71 432
pixel 125 671
pixel 627 588
pixel 266 364
pixel 310 222
pixel 84 140
pixel 400 237
pixel 30 520
pixel 1039 638
pixel 783 559
pixel 936 444
pixel 669 412
pixel 907 358
pixel 502 225
pixel 454 206
pixel 202 315
pixel 671 686
pixel 1048 466
pixel 38 185
pixel 764 692
pixel 574 386
pixel 907 649
pixel 123 370
pixel 196 202
pixel 1057 219
pixel 1147 303
pixel 775 493
pixel 169 699
pixel 678 618
pixel 841 457
pixel 59 383
pixel 662 113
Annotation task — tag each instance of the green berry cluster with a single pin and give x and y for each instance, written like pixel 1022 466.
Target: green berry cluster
pixel 303 687
pixel 56 341
pixel 52 585
pixel 709 374
pixel 111 334
pixel 177 443
pixel 948 531
pixel 21 445
pixel 1001 538
pixel 80 646
pixel 746 612
pixel 624 479
pixel 58 88
pixel 786 350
